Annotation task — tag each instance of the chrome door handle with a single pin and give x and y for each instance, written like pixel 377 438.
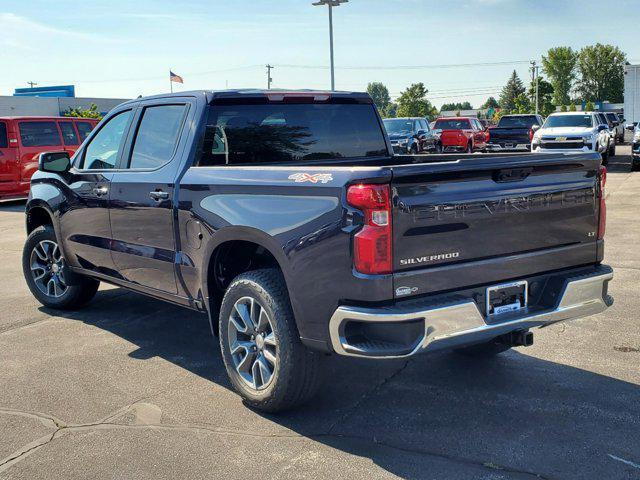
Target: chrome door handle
pixel 159 195
pixel 100 191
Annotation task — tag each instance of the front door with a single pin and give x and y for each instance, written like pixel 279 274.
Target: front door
pixel 84 224
pixel 142 191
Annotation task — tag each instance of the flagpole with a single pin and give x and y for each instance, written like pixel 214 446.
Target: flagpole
pixel 170 82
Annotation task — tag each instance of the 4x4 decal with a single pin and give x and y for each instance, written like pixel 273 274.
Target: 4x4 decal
pixel 313 178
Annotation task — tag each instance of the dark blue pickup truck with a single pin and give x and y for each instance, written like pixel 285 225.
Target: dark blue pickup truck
pixel 286 218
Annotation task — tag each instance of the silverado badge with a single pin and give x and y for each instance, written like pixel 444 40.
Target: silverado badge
pixel 313 178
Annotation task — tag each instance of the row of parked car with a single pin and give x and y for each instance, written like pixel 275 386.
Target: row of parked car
pixel 560 132
pixel 23 139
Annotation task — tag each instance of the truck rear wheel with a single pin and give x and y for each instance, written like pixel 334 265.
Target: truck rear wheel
pixel 266 362
pixel 45 268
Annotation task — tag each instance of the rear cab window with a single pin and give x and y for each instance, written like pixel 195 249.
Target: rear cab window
pixel 39 133
pixel 291 132
pixel 157 136
pixel 462 124
pixel 4 138
pixel 525 121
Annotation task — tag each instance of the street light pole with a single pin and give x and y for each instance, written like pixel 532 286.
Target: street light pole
pixel 330 4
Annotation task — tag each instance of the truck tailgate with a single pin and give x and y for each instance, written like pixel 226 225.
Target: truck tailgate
pixel 485 219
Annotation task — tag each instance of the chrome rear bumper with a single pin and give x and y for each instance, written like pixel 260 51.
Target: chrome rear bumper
pixel 460 324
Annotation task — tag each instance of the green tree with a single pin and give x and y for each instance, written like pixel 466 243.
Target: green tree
pixel 490 103
pixel 413 102
pixel 91 112
pixel 545 96
pixel 523 104
pixel 380 95
pixel 510 92
pixel 560 66
pixel 390 111
pixel 601 70
pixel 456 106
pixel 563 108
pixel 572 107
pixel 589 107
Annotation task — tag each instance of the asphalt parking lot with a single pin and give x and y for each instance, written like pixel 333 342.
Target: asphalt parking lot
pixel 131 387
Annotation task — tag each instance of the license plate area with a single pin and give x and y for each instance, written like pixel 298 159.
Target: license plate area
pixel 509 145
pixel 505 298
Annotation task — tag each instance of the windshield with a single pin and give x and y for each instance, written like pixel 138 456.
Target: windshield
pixel 569 121
pixel 452 124
pixel 524 121
pixel 398 125
pixel 291 132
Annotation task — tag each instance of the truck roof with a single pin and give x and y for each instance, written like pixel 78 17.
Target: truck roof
pixel 273 94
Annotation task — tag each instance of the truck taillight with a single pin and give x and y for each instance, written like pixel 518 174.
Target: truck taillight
pixel 602 222
pixel 372 244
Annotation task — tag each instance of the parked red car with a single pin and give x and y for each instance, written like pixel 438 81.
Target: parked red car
pixel 23 139
pixel 462 134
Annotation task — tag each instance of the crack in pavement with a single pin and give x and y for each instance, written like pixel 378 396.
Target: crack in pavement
pixel 366 396
pixel 197 428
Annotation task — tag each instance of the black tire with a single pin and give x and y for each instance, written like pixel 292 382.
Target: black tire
pixel 635 163
pixel 605 156
pixel 469 148
pixel 61 296
pixel 296 375
pixel 437 149
pixel 413 150
pixel 612 149
pixel 484 350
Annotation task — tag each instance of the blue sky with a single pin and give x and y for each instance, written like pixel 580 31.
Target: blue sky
pixel 124 49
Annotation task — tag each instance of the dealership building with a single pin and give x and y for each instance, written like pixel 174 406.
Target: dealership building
pixel 51 101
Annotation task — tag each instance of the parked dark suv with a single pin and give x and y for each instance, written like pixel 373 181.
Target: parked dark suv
pixel 412 135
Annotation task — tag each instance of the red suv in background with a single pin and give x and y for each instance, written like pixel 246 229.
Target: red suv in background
pixel 462 134
pixel 23 139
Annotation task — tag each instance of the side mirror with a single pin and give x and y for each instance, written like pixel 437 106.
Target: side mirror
pixel 602 128
pixel 535 127
pixel 421 132
pixel 55 162
pixel 631 127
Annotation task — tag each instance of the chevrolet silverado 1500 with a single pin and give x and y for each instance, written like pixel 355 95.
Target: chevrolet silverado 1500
pixel 286 218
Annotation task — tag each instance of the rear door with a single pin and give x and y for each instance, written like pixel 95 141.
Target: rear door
pixel 141 204
pixel 36 136
pixel 8 164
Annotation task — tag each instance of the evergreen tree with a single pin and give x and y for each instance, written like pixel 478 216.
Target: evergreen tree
pixel 510 92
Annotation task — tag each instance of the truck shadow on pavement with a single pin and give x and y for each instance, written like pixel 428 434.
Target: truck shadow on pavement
pixel 438 416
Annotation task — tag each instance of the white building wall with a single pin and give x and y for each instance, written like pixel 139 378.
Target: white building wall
pixel 51 106
pixel 632 93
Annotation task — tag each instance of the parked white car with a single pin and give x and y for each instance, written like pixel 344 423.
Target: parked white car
pixel 571 132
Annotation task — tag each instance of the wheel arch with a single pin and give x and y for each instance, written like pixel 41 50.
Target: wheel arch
pixel 232 251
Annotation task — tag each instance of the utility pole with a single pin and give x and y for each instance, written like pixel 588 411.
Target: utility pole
pixel 32 84
pixel 269 79
pixel 535 73
pixel 330 4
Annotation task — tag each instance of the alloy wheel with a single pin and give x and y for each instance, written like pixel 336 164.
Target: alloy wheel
pixel 47 269
pixel 252 343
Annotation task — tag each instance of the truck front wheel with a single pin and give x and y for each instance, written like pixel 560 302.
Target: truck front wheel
pixel 266 362
pixel 45 272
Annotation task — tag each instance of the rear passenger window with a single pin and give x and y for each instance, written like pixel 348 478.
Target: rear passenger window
pixel 4 141
pixel 69 136
pixel 84 129
pixel 39 134
pixel 157 136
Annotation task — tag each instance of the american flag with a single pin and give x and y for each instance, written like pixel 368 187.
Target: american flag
pixel 175 78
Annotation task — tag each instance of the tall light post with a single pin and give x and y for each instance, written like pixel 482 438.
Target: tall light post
pixel 330 4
